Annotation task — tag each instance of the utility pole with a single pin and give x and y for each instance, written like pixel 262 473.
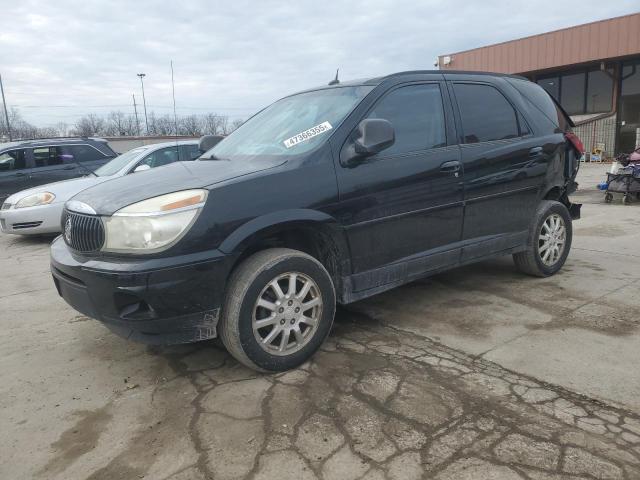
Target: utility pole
pixel 135 109
pixel 144 102
pixel 6 115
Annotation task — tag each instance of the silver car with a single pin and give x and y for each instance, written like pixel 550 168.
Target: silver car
pixel 38 210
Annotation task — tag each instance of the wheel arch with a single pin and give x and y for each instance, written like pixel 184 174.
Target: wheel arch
pixel 311 231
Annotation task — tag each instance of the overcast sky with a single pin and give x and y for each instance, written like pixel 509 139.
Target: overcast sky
pixel 59 59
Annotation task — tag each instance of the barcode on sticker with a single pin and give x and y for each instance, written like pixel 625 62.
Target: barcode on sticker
pixel 307 134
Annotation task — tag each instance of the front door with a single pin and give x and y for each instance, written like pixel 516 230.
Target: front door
pixel 405 203
pixel 14 172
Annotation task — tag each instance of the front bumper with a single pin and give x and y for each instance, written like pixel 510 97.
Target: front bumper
pixel 155 301
pixel 38 220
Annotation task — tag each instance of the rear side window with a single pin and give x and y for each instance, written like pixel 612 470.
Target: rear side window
pixel 417 115
pixel 12 160
pixel 485 112
pixel 540 99
pixel 44 156
pixel 161 157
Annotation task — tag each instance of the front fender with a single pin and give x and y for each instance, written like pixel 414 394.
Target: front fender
pixel 284 219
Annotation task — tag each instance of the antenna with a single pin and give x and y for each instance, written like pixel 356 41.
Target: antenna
pixel 175 117
pixel 335 81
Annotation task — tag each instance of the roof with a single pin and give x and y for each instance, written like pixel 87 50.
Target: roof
pixel 602 40
pixel 378 80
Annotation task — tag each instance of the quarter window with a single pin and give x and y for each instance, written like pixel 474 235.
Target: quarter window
pixel 84 153
pixel 189 152
pixel 417 116
pixel 12 160
pixel 486 114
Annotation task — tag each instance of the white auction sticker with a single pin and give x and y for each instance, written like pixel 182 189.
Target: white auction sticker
pixel 307 134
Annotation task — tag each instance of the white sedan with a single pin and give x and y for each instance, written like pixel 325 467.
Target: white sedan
pixel 38 210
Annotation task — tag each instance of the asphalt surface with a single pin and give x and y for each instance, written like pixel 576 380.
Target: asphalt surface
pixel 478 373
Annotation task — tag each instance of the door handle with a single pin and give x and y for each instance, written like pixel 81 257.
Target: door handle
pixel 452 166
pixel 69 167
pixel 535 152
pixel 20 174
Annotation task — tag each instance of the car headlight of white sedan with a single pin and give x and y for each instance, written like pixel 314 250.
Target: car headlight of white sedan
pixel 154 224
pixel 35 199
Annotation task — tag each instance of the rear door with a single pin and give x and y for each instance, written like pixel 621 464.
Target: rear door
pixel 504 168
pixel 405 203
pixel 14 172
pixel 52 164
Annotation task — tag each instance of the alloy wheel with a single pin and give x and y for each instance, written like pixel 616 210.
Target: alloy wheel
pixel 552 239
pixel 286 313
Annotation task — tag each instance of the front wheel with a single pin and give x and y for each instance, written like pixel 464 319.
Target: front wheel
pixel 549 241
pixel 278 310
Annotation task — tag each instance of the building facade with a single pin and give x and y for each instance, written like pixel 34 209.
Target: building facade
pixel 593 70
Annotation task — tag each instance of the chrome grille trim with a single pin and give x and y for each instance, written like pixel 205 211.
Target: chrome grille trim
pixel 83 233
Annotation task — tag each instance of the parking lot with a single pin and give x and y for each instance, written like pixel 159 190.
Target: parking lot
pixel 476 373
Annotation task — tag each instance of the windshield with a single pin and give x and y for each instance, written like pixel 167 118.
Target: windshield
pixel 290 126
pixel 118 163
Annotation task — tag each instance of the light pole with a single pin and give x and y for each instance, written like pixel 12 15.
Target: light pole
pixel 144 102
pixel 6 115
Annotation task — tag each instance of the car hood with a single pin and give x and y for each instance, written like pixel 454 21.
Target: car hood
pixel 63 190
pixel 109 197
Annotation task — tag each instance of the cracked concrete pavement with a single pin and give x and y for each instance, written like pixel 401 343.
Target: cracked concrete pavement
pixel 478 373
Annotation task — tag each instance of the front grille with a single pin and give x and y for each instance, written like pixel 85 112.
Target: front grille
pixel 84 233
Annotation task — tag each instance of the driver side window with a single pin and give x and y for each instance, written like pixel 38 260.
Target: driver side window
pixel 417 115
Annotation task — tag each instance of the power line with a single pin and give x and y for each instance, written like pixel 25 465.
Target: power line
pixel 123 105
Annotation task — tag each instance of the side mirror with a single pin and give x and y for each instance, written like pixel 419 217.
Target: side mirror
pixel 372 136
pixel 141 168
pixel 207 142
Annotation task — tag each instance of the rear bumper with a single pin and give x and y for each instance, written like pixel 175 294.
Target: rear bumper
pixel 32 220
pixel 154 301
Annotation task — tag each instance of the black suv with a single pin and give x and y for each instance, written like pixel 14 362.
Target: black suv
pixel 30 163
pixel 329 195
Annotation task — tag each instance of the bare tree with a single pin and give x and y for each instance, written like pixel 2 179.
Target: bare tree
pixel 235 124
pixel 118 123
pixel 190 125
pixel 89 125
pixel 62 129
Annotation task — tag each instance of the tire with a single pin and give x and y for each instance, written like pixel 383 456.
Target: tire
pixel 260 348
pixel 608 197
pixel 534 261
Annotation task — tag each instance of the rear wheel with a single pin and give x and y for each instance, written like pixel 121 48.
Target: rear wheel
pixel 279 308
pixel 549 241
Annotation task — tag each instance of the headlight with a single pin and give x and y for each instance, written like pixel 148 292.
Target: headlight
pixel 153 224
pixel 35 199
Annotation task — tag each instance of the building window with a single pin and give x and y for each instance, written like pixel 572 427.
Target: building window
pixel 582 92
pixel 572 93
pixel 551 85
pixel 599 91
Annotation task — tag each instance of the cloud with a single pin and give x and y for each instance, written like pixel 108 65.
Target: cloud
pixel 235 57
